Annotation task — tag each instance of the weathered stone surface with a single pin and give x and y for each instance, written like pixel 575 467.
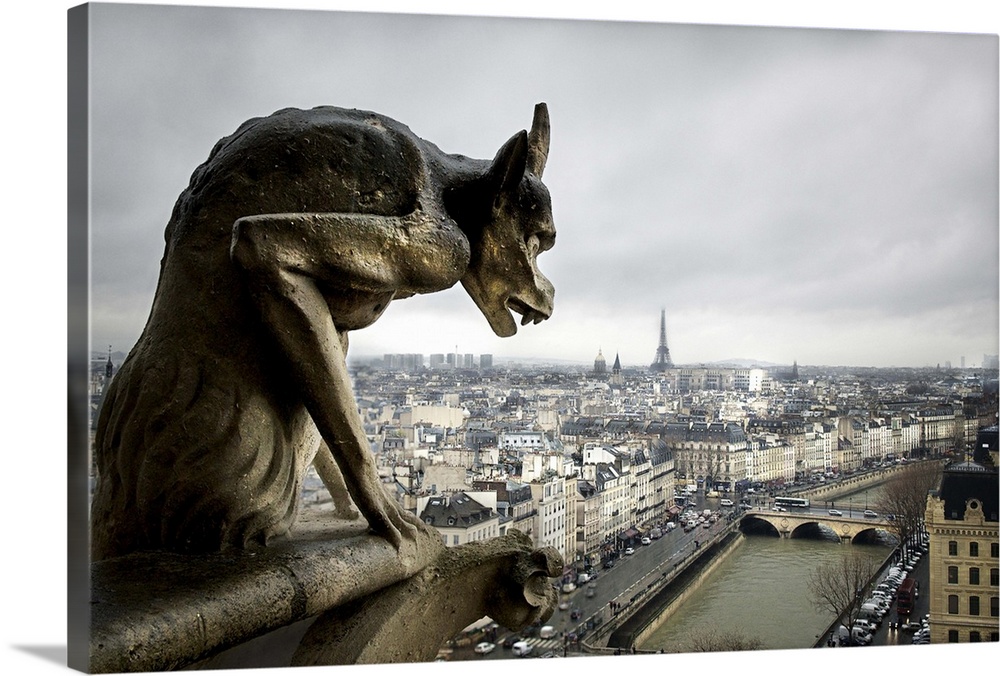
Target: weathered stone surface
pixel 310 599
pixel 503 578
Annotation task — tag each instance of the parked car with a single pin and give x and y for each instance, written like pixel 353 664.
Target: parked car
pixel 860 636
pixel 872 612
pixel 646 541
pixel 868 625
pixel 484 647
pixel 629 551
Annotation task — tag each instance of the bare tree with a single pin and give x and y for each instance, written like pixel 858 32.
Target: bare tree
pixel 841 586
pixel 903 497
pixel 712 640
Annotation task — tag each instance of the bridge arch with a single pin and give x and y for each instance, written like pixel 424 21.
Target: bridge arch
pixel 792 525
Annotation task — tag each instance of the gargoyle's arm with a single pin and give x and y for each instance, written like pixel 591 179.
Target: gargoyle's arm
pixel 416 253
pixel 285 260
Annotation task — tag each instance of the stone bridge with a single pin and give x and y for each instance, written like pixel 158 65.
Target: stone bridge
pixel 794 524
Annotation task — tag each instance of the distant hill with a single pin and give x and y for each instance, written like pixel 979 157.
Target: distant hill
pixel 99 355
pixel 745 363
pixel 499 360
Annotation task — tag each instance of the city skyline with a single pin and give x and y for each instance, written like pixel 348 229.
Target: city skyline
pixel 826 196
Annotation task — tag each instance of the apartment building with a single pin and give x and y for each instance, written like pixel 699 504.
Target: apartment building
pixel 549 498
pixel 714 451
pixel 941 428
pixel 589 535
pixel 613 489
pixel 515 505
pixel 460 518
pixel 964 555
pixel 770 458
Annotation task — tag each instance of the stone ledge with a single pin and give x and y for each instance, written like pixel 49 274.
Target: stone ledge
pixel 161 611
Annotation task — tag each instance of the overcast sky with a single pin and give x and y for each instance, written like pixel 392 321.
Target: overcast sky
pixel 824 196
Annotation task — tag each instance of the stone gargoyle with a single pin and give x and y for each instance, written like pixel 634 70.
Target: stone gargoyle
pixel 300 227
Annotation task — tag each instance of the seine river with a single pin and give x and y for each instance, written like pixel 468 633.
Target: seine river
pixel 760 591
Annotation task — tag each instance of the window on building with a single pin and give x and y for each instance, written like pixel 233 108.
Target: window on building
pixel 953 636
pixel 973 549
pixel 952 548
pixel 994 606
pixel 953 604
pixel 994 636
pixel 995 549
pixel 994 576
pixel 973 605
pixel 974 637
pixel 952 574
pixel 973 576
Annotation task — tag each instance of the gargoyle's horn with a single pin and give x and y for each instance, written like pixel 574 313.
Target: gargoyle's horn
pixel 538 140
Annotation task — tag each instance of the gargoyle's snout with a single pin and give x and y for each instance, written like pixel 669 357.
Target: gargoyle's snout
pixel 537 309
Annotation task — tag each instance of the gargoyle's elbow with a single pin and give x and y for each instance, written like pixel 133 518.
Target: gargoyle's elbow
pixel 245 245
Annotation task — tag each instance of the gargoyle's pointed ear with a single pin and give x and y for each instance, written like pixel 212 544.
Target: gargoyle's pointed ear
pixel 508 166
pixel 538 140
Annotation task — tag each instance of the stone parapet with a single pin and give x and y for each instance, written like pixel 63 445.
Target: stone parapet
pixel 316 598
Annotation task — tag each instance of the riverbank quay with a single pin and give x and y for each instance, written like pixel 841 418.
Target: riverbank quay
pixel 854 483
pixel 827 638
pixel 671 598
pixel 626 621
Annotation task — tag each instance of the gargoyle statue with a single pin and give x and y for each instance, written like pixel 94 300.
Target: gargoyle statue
pixel 300 227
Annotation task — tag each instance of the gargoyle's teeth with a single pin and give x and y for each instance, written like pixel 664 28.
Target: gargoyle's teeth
pixel 529 314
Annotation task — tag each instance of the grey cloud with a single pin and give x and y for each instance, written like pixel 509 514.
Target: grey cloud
pixel 733 175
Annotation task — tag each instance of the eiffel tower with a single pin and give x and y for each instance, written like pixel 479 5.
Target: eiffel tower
pixel 662 362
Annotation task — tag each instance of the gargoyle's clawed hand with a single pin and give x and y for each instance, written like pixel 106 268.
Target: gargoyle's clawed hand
pixel 399 527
